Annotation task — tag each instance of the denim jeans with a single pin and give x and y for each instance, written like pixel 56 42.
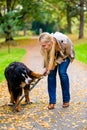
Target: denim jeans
pixel 64 80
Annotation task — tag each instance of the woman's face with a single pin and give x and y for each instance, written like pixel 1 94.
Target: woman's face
pixel 46 45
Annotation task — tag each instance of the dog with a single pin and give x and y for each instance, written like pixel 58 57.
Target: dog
pixel 19 77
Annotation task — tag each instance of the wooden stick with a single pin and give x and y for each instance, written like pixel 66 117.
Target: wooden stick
pixel 25 94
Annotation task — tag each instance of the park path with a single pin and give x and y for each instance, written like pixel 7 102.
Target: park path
pixel 36 116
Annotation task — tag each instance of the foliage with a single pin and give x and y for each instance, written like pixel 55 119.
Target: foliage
pixel 15 15
pixel 10 20
pixel 51 15
pixel 46 27
pixel 5 58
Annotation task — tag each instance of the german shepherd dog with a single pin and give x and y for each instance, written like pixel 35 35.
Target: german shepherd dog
pixel 19 77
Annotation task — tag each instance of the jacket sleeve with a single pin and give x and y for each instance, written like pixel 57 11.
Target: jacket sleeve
pixel 51 64
pixel 70 49
pixel 66 47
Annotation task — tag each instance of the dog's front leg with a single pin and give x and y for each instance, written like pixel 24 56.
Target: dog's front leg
pixel 27 99
pixel 35 75
pixel 18 106
pixel 12 102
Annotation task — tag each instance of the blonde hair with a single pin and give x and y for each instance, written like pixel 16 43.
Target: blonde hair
pixel 48 56
pixel 46 37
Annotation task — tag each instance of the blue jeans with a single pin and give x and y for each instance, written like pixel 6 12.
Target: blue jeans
pixel 64 80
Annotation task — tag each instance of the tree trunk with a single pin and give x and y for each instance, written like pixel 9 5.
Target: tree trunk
pixel 8 2
pixel 8 32
pixel 25 31
pixel 68 20
pixel 81 26
pixel 8 36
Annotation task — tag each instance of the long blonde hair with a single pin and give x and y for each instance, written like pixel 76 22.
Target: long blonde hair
pixel 49 57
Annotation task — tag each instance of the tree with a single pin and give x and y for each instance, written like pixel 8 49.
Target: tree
pixel 7 20
pixel 81 26
pixel 52 11
pixel 77 8
pixel 13 15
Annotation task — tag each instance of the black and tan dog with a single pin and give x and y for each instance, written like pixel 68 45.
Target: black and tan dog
pixel 19 77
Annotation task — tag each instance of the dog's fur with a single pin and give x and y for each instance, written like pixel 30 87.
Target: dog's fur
pixel 19 77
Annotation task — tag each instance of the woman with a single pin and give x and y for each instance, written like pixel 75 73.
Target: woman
pixel 58 52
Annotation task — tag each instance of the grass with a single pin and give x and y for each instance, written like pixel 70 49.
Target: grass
pixel 80 46
pixel 16 54
pixel 81 52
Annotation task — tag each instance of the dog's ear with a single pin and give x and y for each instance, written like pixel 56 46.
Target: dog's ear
pixel 34 75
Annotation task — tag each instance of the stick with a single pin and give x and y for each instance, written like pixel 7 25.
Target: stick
pixel 25 94
pixel 35 84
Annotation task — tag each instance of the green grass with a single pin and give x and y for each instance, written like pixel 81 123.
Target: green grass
pixel 16 54
pixel 81 52
pixel 80 47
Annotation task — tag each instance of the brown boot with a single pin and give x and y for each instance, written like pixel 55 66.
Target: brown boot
pixel 51 106
pixel 66 104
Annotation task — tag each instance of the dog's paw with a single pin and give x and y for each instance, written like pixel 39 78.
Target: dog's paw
pixel 17 109
pixel 43 71
pixel 27 102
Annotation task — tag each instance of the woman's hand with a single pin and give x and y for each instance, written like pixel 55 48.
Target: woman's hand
pixel 46 72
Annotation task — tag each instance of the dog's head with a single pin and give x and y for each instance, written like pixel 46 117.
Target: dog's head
pixel 21 76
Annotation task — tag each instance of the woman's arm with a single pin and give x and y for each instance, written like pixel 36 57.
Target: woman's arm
pixel 51 57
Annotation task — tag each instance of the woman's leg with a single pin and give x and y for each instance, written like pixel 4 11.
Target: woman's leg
pixel 64 79
pixel 52 86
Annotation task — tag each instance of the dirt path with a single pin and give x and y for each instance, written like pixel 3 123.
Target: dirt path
pixel 36 116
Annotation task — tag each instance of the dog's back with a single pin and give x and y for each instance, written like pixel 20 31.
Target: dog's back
pixel 8 70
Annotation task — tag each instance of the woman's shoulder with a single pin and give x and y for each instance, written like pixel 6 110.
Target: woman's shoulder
pixel 59 34
pixel 60 37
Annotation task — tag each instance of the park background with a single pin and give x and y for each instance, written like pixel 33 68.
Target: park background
pixel 22 19
pixel 21 22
